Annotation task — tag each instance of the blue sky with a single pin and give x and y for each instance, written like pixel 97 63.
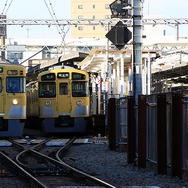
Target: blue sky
pixel 167 8
pixel 37 9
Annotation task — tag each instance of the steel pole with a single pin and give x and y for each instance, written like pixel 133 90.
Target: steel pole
pixel 137 48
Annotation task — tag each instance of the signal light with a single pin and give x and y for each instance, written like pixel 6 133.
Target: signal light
pixel 120 9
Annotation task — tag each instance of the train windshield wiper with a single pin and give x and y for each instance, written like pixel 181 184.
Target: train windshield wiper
pixel 11 90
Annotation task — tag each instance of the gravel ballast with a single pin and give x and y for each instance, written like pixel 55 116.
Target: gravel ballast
pixel 112 167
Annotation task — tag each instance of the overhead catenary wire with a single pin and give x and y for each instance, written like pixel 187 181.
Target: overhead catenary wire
pixel 6 8
pixel 53 15
pixel 62 32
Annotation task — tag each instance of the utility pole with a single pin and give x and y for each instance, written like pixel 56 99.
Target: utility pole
pixel 137 48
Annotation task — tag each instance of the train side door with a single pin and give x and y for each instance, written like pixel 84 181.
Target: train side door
pixel 64 98
pixel 1 97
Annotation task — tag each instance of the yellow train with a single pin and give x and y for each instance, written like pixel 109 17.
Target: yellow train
pixel 12 99
pixel 60 98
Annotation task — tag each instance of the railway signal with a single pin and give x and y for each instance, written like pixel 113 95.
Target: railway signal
pixel 120 9
pixel 119 35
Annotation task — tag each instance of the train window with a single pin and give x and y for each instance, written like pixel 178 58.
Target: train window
pixel 50 76
pixel 63 75
pixel 47 89
pixel 63 88
pixel 15 85
pixel 12 72
pixel 1 85
pixel 78 76
pixel 80 89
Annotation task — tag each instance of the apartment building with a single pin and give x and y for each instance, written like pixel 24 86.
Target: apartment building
pixel 89 9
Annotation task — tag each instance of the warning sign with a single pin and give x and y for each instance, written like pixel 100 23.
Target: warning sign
pixel 104 86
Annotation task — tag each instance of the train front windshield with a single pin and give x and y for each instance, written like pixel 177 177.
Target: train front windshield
pixel 80 89
pixel 47 89
pixel 15 85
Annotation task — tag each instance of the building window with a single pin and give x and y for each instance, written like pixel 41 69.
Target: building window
pixel 80 28
pixel 107 6
pixel 80 17
pixel 46 54
pixel 93 6
pixel 93 16
pixel 80 6
pixel 12 55
pixel 93 27
pixel 107 17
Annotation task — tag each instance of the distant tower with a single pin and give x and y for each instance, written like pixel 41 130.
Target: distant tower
pixel 3 36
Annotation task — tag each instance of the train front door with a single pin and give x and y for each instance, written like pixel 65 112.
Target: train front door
pixel 64 99
pixel 1 98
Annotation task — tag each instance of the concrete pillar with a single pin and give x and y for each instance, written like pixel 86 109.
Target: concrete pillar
pixel 117 78
pixel 114 81
pixel 99 97
pixel 148 75
pixel 130 81
pixel 94 106
pixel 122 75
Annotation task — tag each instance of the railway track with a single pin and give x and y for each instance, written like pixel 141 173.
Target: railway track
pixel 44 167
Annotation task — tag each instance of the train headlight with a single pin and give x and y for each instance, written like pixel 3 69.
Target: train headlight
pixel 48 103
pixel 14 101
pixel 79 102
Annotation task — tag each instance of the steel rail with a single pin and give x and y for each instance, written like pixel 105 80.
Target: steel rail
pixel 61 163
pixel 22 171
pixel 38 146
pixel 92 178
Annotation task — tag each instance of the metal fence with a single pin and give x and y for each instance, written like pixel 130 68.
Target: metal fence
pixel 121 120
pixel 165 128
pixel 185 133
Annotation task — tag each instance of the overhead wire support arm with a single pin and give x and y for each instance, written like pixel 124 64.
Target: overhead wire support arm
pixel 60 21
pixel 128 22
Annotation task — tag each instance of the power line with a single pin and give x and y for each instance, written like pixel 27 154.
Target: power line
pixel 7 7
pixel 53 15
pixel 4 7
pixel 61 31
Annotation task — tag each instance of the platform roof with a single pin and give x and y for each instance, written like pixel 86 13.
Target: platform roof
pixel 173 65
pixel 97 58
pixel 75 56
pixel 95 61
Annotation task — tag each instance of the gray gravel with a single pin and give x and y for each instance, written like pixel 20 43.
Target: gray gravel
pixel 112 167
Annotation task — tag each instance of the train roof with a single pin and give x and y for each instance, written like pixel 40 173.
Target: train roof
pixel 10 64
pixel 62 70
